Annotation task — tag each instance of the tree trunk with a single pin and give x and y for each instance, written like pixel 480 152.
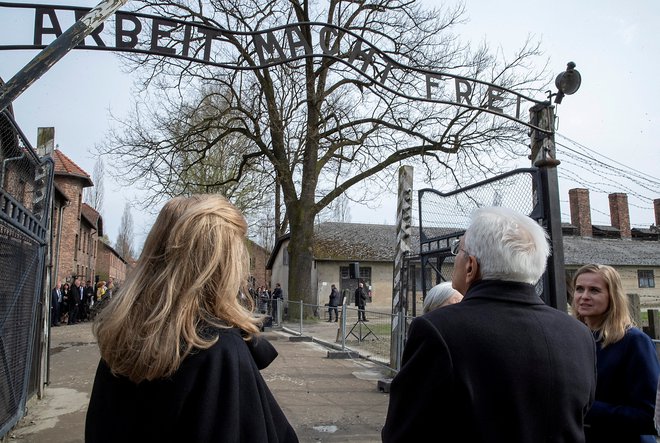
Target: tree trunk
pixel 301 257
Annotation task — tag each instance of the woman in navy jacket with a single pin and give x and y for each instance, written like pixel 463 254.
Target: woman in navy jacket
pixel 628 367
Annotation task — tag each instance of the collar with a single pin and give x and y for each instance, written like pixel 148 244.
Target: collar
pixel 504 290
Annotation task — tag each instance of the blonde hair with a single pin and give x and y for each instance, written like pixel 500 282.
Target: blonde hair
pixel 191 274
pixel 617 319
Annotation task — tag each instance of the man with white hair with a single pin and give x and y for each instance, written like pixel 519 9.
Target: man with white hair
pixel 500 366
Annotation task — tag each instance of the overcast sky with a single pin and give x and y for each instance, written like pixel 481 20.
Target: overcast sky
pixel 614 114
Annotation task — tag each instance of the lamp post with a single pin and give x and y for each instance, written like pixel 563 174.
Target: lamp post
pixel 543 156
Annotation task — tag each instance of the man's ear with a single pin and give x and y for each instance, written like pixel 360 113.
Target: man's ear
pixel 471 270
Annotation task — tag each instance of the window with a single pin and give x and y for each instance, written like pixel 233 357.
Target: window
pixel 646 279
pixel 285 257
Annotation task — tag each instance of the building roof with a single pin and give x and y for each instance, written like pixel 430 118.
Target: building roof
pixel 611 251
pixel 93 217
pixel 65 166
pixel 366 242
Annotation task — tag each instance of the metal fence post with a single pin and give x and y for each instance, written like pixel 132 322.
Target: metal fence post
pixel 343 325
pixel 301 317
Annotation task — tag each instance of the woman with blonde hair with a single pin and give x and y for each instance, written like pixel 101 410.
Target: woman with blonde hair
pixel 628 367
pixel 180 356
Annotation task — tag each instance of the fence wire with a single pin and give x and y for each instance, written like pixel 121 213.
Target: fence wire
pixel 25 184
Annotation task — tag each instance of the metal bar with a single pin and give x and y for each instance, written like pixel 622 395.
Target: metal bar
pixel 40 64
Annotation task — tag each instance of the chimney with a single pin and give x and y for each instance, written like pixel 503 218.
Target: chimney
pixel 656 207
pixel 580 211
pixel 619 213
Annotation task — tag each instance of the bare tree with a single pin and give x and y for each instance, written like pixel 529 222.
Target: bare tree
pixel 321 126
pixel 124 244
pixel 94 195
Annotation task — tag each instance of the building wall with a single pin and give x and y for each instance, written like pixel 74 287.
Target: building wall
pixel 109 265
pixel 280 270
pixel 72 188
pixel 85 257
pixel 258 259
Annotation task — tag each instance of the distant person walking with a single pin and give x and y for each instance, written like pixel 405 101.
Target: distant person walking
pixel 180 352
pixel 333 302
pixel 501 365
pixel 278 295
pixel 361 301
pixel 628 367
pixel 55 301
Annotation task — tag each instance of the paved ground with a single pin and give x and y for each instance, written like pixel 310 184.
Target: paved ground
pixel 325 399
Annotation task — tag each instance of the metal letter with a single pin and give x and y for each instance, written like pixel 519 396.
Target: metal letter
pixel 271 45
pixel 157 32
pixel 95 33
pixel 430 83
pixel 324 40
pixel 494 94
pixel 300 43
pixel 465 94
pixel 120 32
pixel 39 29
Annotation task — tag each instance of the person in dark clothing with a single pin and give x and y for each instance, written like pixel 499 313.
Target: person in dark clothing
pixel 278 296
pixel 623 410
pixel 55 301
pixel 89 294
pixel 501 365
pixel 333 302
pixel 361 301
pixel 75 300
pixel 180 344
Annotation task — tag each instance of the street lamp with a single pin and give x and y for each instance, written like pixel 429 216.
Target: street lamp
pixel 568 82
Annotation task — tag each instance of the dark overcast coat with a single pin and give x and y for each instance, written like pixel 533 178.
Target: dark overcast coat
pixel 217 395
pixel 628 373
pixel 500 366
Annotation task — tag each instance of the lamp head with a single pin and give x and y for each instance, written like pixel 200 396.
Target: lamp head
pixel 568 82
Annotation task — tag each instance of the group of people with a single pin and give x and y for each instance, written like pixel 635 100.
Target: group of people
pixel 266 300
pixel 361 297
pixel 71 304
pixel 501 365
pixel 181 351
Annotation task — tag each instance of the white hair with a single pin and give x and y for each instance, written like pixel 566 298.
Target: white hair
pixel 508 245
pixel 438 295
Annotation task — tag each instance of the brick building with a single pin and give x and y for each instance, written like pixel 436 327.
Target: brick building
pixel 109 264
pixel 259 275
pixel 76 226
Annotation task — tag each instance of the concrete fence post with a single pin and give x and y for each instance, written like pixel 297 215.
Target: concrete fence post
pixel 635 308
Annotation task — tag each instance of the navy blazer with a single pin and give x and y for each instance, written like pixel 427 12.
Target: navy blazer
pixel 628 373
pixel 500 366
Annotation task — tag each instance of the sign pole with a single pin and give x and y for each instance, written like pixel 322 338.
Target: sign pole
pixel 43 61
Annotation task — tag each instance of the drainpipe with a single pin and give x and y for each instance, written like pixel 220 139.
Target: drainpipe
pixel 4 166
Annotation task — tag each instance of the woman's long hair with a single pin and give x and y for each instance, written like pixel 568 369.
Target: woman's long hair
pixel 191 275
pixel 617 319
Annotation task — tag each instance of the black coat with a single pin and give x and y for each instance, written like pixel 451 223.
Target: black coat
pixel 216 395
pixel 501 366
pixel 334 297
pixel 360 297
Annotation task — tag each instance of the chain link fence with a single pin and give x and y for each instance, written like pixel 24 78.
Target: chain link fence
pixel 25 184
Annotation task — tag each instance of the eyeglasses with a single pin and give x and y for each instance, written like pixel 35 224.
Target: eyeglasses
pixel 455 247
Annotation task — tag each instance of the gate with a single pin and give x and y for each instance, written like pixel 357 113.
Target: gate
pixel 444 217
pixel 25 186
